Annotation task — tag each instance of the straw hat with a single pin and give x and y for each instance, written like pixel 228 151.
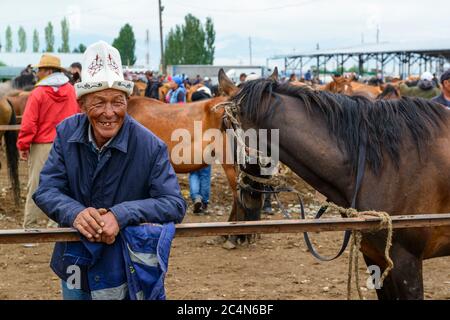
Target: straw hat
pixel 102 69
pixel 49 61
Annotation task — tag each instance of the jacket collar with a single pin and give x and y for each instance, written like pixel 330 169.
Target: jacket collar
pixel 119 142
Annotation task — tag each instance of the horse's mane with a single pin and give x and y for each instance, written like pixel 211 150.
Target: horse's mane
pixel 351 119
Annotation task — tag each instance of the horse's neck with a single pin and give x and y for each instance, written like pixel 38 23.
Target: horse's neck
pixel 307 148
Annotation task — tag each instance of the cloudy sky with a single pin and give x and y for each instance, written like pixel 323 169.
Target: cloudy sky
pixel 276 27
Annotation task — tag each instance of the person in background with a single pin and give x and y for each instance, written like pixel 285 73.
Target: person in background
pixel 444 97
pixel 150 83
pixel 308 75
pixel 425 88
pixel 200 180
pixel 435 80
pixel 292 78
pixel 75 71
pixel 177 93
pixel 197 80
pixel 52 101
pixel 242 78
pixel 207 82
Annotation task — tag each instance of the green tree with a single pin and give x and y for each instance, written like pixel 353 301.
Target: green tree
pixel 2 64
pixel 126 43
pixel 210 40
pixel 22 39
pixel 65 36
pixel 49 38
pixel 35 41
pixel 190 43
pixel 193 41
pixel 8 39
pixel 174 47
pixel 80 49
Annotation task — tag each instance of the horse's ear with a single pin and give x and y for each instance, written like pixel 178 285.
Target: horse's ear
pixel 274 75
pixel 226 85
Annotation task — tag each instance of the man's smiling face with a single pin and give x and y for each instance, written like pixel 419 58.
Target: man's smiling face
pixel 106 111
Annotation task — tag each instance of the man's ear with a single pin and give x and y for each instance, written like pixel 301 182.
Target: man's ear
pixel 82 103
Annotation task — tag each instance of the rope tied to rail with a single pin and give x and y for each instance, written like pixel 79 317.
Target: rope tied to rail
pixel 355 245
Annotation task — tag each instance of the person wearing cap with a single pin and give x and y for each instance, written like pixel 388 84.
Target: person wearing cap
pixel 425 88
pixel 444 97
pixel 200 180
pixel 177 93
pixel 52 101
pixel 105 176
pixel 207 82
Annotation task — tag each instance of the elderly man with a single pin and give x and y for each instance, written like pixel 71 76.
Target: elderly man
pixel 52 100
pixel 105 174
pixel 444 97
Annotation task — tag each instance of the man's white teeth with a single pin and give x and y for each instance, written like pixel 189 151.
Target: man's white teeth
pixel 107 124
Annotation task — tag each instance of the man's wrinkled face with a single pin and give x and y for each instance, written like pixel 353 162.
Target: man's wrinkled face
pixel 106 111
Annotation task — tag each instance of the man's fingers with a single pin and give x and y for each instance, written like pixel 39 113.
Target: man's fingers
pixel 96 215
pixel 80 228
pixel 88 228
pixel 93 224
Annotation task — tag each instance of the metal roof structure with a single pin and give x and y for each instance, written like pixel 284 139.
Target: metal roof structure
pixel 427 56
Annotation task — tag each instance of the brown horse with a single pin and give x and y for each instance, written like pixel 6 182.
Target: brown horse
pixel 191 90
pixel 139 88
pixel 163 119
pixel 18 100
pixel 389 92
pixel 8 117
pixel 407 156
pixel 349 87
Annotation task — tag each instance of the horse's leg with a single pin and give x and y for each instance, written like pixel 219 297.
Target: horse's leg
pixel 381 294
pixel 405 281
pixel 231 175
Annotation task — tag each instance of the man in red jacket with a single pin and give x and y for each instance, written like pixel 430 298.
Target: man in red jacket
pixel 52 100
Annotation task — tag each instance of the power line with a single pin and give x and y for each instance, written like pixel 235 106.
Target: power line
pixel 298 4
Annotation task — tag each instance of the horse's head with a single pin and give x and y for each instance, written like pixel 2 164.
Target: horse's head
pixel 389 92
pixel 254 166
pixel 341 85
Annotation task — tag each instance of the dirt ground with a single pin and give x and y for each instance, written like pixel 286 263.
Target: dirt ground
pixel 277 266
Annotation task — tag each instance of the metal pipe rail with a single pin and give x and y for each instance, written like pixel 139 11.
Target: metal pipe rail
pixel 10 127
pixel 247 227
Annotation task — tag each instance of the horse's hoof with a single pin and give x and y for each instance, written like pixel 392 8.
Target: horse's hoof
pixel 229 245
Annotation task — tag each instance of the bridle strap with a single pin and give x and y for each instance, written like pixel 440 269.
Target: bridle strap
pixel 347 233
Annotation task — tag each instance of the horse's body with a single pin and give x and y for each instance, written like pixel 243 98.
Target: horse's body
pixel 163 119
pixel 17 99
pixel 8 117
pixel 407 164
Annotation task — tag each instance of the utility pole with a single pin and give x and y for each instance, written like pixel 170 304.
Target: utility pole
pixel 147 42
pixel 378 34
pixel 250 47
pixel 163 65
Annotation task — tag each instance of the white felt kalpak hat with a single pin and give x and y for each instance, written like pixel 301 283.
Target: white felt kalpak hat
pixel 102 69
